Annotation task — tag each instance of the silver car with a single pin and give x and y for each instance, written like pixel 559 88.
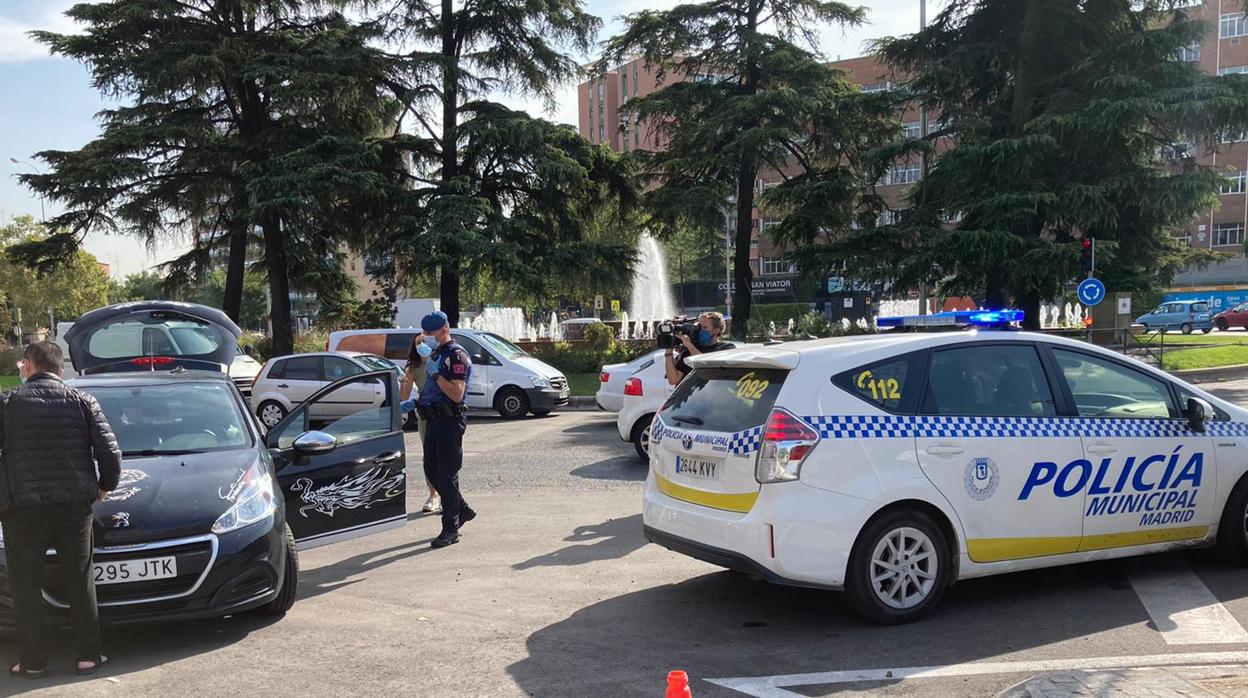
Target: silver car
pixel 286 382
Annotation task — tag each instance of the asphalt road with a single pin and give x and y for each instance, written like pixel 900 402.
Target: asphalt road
pixel 554 592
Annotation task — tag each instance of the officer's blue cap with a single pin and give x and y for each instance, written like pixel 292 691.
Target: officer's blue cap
pixel 433 321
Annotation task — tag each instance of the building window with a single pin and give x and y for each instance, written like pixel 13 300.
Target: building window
pixel 1233 70
pixel 602 132
pixel 1184 238
pixel 1227 234
pixel 906 173
pixel 1232 25
pixel 889 216
pixel 877 86
pixel 624 82
pixel 1233 136
pixel 764 223
pixel 634 79
pixel 1189 53
pixel 769 266
pixel 1234 182
pixel 913 129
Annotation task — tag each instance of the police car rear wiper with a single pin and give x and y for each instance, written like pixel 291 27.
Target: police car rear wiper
pixel 696 421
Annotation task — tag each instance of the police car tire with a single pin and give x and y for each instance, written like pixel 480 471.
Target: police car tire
pixel 641 438
pixel 511 403
pixel 859 595
pixel 285 598
pixel 1232 533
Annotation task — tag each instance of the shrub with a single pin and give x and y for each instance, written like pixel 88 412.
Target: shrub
pixel 9 356
pixel 312 340
pixel 599 337
pixel 581 357
pixel 258 345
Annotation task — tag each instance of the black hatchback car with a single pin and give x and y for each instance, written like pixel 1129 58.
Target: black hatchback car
pixel 211 510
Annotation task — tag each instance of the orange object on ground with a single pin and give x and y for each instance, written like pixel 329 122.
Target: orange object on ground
pixel 678 685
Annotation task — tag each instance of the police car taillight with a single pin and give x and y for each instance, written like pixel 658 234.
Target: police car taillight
pixel 632 386
pixel 787 440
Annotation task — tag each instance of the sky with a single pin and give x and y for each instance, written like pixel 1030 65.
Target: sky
pixel 48 103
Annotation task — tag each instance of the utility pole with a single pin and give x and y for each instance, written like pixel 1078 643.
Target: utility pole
pixel 923 156
pixel 42 218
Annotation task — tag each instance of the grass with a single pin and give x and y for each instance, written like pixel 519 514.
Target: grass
pixel 583 384
pixel 1230 337
pixel 1206 357
pixel 7 382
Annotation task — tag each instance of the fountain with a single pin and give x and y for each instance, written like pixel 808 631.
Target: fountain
pixel 624 325
pixel 651 295
pixel 506 322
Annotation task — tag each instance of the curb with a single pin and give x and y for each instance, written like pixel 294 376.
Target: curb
pixel 1213 375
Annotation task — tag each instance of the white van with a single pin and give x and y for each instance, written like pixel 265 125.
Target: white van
pixel 505 378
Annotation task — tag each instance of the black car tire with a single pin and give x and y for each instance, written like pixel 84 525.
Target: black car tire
pixel 640 437
pixel 278 409
pixel 541 413
pixel 1185 328
pixel 1233 527
pixel 1206 330
pixel 1222 324
pixel 511 403
pixel 860 592
pixel 290 582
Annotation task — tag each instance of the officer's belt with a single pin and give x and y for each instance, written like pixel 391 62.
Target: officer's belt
pixel 441 409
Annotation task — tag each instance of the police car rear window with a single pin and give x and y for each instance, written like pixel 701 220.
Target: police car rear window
pixel 723 399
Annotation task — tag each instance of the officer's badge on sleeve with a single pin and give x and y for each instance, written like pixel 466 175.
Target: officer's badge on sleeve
pixel 458 368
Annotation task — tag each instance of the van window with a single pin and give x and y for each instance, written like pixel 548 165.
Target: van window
pixel 1200 307
pixel 502 347
pixel 723 399
pixel 890 384
pixel 1103 388
pixel 1002 380
pixel 372 343
pixel 398 344
pixel 476 353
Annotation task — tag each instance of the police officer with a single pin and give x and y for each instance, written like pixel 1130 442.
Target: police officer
pixel 441 404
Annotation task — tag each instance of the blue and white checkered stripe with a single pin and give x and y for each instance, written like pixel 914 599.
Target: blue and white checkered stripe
pixel 744 442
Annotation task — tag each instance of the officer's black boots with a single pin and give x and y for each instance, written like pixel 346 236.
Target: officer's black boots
pixel 465 515
pixel 449 536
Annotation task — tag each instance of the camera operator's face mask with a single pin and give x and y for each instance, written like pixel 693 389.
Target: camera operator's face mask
pixel 704 337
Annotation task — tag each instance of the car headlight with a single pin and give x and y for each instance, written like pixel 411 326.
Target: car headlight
pixel 254 502
pixel 539 381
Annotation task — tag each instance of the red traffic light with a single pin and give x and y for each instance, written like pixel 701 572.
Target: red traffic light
pixel 1087 243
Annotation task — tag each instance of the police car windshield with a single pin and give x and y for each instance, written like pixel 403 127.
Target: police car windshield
pixel 502 347
pixel 724 399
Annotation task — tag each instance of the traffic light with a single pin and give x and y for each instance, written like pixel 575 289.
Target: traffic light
pixel 1085 263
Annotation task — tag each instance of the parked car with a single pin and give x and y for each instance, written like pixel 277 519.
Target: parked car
pixel 1236 316
pixel 575 328
pixel 505 378
pixel 610 395
pixel 1184 316
pixel 285 382
pixel 210 512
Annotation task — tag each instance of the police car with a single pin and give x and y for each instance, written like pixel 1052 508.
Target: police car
pixel 891 466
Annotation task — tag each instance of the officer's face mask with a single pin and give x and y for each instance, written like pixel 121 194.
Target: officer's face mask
pixel 424 350
pixel 430 342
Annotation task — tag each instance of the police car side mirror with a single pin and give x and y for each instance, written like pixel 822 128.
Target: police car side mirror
pixel 1198 413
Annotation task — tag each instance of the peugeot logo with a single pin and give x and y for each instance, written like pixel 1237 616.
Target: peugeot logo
pixel 687 442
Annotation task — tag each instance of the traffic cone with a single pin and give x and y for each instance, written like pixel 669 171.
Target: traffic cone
pixel 678 685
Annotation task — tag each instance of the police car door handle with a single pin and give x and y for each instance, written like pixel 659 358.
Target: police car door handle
pixel 1102 448
pixel 945 450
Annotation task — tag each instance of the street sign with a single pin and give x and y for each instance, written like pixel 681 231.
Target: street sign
pixel 1091 291
pixel 598 302
pixel 615 305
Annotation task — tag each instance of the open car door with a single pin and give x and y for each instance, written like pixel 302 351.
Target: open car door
pixel 152 336
pixel 342 471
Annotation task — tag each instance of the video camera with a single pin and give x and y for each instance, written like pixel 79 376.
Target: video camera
pixel 669 329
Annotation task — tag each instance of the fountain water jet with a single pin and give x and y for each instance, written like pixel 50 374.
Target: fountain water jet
pixel 651 296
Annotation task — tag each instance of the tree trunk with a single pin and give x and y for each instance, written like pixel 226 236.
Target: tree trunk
pixel 236 266
pixel 1029 303
pixel 742 274
pixel 449 281
pixel 996 296
pixel 279 287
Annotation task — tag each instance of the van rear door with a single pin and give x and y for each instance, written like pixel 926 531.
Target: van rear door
pixel 150 336
pixel 704 442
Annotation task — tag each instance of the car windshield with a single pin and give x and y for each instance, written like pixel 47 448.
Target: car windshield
pixel 169 419
pixel 501 346
pixel 376 363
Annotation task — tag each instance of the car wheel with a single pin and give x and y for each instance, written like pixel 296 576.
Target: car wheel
pixel 271 413
pixel 1185 328
pixel 1206 330
pixel 512 403
pixel 290 582
pixel 899 568
pixel 1233 527
pixel 641 437
pixel 1222 324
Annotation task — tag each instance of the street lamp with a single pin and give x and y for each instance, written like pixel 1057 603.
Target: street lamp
pixel 42 218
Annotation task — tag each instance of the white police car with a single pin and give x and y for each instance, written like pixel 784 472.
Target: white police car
pixel 891 466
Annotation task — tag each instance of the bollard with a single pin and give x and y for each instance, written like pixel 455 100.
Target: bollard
pixel 678 685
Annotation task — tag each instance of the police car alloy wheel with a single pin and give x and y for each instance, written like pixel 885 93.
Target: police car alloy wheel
pixel 1233 527
pixel 271 414
pixel 899 568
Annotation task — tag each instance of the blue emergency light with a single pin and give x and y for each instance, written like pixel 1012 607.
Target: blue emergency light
pixel 957 318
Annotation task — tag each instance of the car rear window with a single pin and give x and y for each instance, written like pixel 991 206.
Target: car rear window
pixel 890 384
pixel 131 337
pixel 724 399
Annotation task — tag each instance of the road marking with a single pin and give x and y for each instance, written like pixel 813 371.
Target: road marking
pixel 1183 609
pixel 773 686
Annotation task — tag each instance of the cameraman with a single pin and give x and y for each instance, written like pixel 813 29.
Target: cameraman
pixel 710 328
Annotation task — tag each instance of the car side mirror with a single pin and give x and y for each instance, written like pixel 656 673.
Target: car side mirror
pixel 311 443
pixel 1199 412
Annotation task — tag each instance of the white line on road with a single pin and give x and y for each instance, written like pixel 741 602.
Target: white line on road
pixel 772 686
pixel 1183 609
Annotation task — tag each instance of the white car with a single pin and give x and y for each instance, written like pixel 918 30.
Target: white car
pixel 890 466
pixel 644 393
pixel 286 382
pixel 610 395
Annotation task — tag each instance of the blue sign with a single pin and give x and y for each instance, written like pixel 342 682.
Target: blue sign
pixel 1218 300
pixel 1091 291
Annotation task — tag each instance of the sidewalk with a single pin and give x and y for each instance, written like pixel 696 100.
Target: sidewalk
pixel 1221 681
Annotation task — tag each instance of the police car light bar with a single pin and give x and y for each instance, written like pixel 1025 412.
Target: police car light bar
pixel 958 318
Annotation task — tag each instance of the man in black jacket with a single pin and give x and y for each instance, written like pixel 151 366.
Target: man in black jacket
pixel 58 455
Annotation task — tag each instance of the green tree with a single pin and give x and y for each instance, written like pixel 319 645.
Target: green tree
pixel 750 87
pixel 79 284
pixel 140 286
pixel 211 292
pixel 484 187
pixel 238 115
pixel 1065 114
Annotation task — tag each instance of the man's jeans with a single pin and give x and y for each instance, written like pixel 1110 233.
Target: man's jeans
pixel 28 533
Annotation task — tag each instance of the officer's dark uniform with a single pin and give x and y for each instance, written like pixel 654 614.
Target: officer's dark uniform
pixel 444 438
